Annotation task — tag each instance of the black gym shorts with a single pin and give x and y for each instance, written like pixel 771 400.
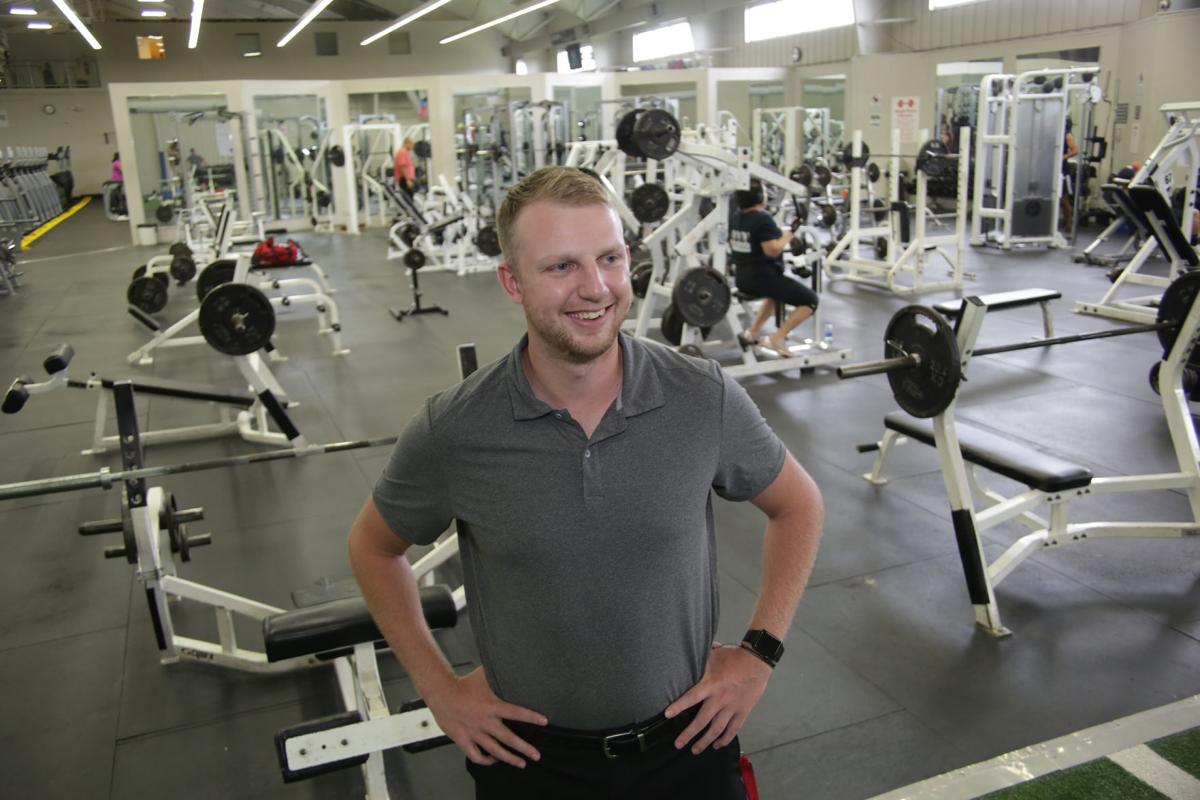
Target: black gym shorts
pixel 760 281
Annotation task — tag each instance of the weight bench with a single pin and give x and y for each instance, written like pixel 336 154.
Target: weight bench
pixel 998 301
pixel 1036 469
pixel 355 737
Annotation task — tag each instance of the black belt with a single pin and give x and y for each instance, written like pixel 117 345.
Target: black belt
pixel 628 740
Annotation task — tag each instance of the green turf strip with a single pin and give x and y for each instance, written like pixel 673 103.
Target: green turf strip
pixel 1096 780
pixel 1182 750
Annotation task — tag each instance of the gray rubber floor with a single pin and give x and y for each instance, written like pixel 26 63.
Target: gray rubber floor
pixel 886 680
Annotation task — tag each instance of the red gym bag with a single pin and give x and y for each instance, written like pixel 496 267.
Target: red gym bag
pixel 747 771
pixel 269 254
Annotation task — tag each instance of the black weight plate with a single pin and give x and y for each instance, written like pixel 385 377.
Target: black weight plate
pixel 337 156
pixel 164 213
pixel 799 245
pixel 848 156
pixel 180 249
pixel 139 272
pixel 236 319
pixel 414 259
pixel 183 269
pixel 639 278
pixel 409 234
pixel 879 209
pixel 488 241
pixel 1173 309
pixel 881 244
pixel 802 175
pixel 828 216
pixel 649 202
pixel 423 149
pixel 147 294
pixel 701 296
pixel 672 325
pixel 324 198
pixel 656 134
pixel 824 176
pixel 625 133
pixel 873 172
pixel 934 159
pixel 929 389
pixel 212 276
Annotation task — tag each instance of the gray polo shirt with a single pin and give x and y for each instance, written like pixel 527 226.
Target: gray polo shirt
pixel 589 563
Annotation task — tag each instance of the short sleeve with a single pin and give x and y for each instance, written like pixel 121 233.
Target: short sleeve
pixel 767 230
pixel 411 494
pixel 751 454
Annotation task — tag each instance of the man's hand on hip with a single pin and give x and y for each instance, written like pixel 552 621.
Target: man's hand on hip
pixel 471 714
pixel 731 687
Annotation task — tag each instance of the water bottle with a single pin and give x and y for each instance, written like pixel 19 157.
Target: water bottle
pixel 827 336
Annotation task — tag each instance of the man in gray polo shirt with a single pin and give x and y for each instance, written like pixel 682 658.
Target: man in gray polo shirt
pixel 580 470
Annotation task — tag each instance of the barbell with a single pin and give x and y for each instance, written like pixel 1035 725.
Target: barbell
pixel 105 478
pixel 648 133
pixel 933 158
pixel 924 366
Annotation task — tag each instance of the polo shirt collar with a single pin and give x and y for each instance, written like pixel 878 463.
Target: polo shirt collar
pixel 641 388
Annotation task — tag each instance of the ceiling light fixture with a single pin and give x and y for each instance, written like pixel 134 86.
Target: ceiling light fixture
pixel 22 11
pixel 252 54
pixel 75 21
pixel 153 12
pixel 308 17
pixel 194 28
pixel 498 20
pixel 39 26
pixel 417 13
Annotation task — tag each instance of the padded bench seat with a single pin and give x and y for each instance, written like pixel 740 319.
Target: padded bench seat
pixel 1020 462
pixel 342 624
pixel 1000 301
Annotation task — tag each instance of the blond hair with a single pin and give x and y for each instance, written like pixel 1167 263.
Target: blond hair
pixel 567 185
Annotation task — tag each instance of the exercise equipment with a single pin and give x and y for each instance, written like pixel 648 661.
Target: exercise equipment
pixel 651 133
pixel 932 158
pixel 649 202
pixel 928 361
pixel 923 363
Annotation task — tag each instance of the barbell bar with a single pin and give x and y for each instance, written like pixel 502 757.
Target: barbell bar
pixel 104 478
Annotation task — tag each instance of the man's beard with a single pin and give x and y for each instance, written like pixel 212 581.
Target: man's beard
pixel 557 335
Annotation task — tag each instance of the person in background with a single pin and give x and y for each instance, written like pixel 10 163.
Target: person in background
pixel 1070 150
pixel 117 174
pixel 405 172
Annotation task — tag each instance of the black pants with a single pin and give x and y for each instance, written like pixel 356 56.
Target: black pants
pixel 662 774
pixel 768 282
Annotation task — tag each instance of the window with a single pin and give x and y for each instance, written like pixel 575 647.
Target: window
pixel 587 60
pixel 151 48
pixel 325 43
pixel 667 41
pixel 399 44
pixel 934 5
pixel 521 68
pixel 789 17
pixel 248 44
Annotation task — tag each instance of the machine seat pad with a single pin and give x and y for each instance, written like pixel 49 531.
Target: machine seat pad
pixel 1000 301
pixel 1035 469
pixel 1148 200
pixel 341 624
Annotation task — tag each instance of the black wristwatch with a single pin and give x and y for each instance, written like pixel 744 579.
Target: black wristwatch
pixel 764 646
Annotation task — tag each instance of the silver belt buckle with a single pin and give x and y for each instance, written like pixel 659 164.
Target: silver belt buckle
pixel 639 735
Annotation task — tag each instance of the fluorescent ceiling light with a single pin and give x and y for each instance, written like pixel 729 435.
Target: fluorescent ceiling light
pixel 153 12
pixel 194 28
pixel 22 11
pixel 74 19
pixel 308 17
pixel 416 13
pixel 251 54
pixel 154 36
pixel 498 20
pixel 39 26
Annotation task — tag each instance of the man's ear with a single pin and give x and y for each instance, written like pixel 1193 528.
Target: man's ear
pixel 510 283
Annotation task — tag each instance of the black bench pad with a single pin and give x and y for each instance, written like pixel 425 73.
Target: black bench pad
pixel 341 624
pixel 1022 463
pixel 1148 200
pixel 1000 301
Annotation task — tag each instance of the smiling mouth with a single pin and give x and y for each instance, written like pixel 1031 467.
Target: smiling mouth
pixel 588 315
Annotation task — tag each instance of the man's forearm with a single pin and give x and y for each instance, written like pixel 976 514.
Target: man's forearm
pixel 789 551
pixel 390 589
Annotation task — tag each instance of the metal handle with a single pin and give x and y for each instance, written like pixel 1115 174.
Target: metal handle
pixel 880 366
